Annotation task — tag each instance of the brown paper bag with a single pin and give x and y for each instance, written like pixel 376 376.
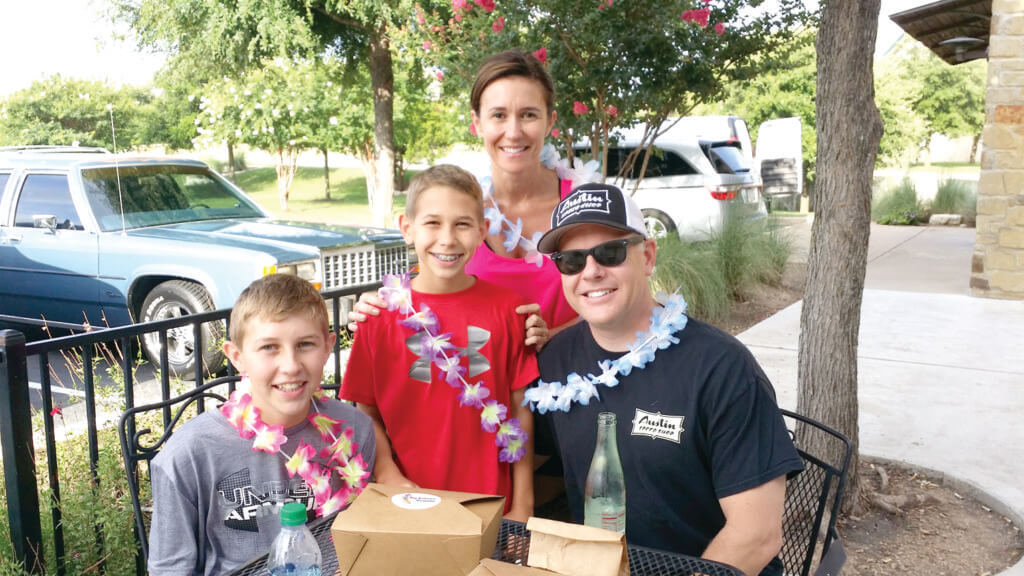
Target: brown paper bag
pixel 575 550
pixel 489 567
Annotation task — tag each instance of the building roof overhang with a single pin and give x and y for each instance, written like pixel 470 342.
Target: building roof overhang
pixel 956 30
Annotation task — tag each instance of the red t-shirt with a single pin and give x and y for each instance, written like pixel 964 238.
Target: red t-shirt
pixel 437 442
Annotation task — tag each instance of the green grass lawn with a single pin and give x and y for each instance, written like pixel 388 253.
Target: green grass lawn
pixel 348 203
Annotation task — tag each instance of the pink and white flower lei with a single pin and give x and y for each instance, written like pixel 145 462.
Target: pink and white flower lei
pixel 578 173
pixel 509 435
pixel 340 454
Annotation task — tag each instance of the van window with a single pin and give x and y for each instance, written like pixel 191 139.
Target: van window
pixel 661 163
pixel 3 182
pixel 727 159
pixel 47 194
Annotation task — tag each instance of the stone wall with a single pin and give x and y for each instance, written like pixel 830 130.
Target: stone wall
pixel 997 269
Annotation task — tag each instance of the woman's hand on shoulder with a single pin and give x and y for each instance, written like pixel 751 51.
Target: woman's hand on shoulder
pixel 369 304
pixel 536 328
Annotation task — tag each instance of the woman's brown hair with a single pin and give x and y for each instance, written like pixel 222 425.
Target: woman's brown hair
pixel 512 63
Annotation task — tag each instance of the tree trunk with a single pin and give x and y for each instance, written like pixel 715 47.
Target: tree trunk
pixel 849 130
pixel 231 161
pixel 974 148
pixel 287 164
pixel 327 176
pixel 382 80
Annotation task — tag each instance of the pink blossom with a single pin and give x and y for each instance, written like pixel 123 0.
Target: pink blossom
pixel 541 54
pixel 327 426
pixel 428 45
pixel 438 27
pixel 720 28
pixel 555 133
pixel 420 18
pixel 269 438
pixel 300 461
pixel 319 482
pixel 355 472
pixel 458 18
pixel 698 16
pixel 612 111
pixel 579 108
pixel 458 6
pixel 336 502
pixel 342 448
pixel 487 5
pixel 498 25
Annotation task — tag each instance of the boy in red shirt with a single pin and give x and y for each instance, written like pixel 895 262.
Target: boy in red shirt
pixel 443 372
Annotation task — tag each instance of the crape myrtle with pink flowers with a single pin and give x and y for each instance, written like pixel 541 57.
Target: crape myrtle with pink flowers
pixel 615 62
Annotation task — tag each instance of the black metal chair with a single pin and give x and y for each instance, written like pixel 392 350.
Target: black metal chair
pixel 812 500
pixel 136 447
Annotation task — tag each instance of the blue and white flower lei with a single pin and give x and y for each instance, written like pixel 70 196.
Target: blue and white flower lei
pixel 578 172
pixel 667 318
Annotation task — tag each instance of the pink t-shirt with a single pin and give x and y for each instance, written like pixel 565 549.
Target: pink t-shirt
pixel 542 285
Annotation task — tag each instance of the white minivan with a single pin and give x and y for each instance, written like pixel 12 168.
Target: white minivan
pixel 691 186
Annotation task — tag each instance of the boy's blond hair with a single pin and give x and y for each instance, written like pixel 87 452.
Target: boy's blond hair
pixel 444 175
pixel 274 298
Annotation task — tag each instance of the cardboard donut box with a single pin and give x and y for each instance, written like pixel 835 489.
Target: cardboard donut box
pixel 395 531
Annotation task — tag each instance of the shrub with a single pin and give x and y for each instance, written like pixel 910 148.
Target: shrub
pixel 694 270
pixel 711 274
pixel 98 520
pixel 897 205
pixel 955 196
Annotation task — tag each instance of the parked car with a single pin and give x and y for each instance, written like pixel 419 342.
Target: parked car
pixel 90 237
pixel 691 187
pixel 781 158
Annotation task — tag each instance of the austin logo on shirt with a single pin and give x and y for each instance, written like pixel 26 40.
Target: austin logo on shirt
pixel 657 425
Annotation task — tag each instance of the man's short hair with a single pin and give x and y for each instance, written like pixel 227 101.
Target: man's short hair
pixel 274 298
pixel 443 175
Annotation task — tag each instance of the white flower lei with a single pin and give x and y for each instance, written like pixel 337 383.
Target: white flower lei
pixel 667 318
pixel 578 172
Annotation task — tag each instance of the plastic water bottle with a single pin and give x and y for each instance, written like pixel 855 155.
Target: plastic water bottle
pixel 294 552
pixel 604 504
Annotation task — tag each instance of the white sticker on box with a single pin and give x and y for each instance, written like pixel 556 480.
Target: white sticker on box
pixel 415 500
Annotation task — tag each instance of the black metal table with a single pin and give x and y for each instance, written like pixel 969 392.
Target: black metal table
pixel 513 546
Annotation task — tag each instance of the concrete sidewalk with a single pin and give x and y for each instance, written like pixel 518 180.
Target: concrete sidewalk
pixel 941 374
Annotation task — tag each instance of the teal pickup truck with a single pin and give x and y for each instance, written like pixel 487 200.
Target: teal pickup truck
pixel 90 238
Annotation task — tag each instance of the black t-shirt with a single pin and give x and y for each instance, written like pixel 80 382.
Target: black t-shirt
pixel 697 424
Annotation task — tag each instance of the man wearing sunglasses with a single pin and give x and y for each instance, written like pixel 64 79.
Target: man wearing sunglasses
pixel 704 449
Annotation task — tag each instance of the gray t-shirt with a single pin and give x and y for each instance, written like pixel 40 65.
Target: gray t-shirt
pixel 216 500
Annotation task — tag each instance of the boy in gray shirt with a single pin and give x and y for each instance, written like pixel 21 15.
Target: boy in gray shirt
pixel 217 492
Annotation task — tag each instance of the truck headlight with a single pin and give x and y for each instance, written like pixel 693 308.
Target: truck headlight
pixel 307 270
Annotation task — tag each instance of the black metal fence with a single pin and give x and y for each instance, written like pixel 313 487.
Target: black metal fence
pixel 16 411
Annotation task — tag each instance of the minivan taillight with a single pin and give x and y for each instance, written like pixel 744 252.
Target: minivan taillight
pixel 723 192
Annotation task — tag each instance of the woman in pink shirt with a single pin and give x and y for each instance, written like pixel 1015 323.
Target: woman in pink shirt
pixel 513 101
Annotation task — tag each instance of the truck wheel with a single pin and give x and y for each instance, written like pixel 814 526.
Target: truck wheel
pixel 176 298
pixel 658 224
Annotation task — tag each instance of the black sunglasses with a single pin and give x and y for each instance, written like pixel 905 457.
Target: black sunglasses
pixel 611 253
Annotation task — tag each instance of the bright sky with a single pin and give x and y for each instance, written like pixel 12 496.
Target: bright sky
pixel 72 38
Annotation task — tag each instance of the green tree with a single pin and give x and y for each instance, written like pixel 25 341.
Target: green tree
pixel 229 37
pixel 614 63
pixel 943 99
pixel 783 88
pixel 270 108
pixel 65 111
